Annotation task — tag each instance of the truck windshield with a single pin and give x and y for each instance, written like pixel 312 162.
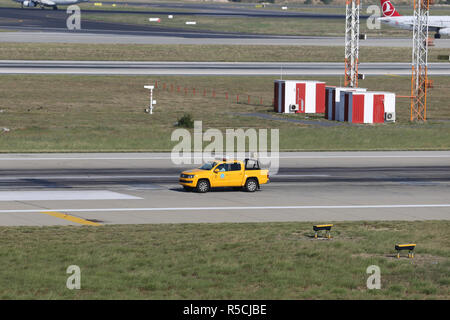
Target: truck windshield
pixel 208 166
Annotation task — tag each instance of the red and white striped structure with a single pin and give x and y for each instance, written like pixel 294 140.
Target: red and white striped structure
pixel 334 101
pixel 299 96
pixel 357 105
pixel 368 107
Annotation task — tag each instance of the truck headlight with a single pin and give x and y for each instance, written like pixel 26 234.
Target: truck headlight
pixel 190 176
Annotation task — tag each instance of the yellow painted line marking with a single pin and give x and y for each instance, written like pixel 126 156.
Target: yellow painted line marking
pixel 71 218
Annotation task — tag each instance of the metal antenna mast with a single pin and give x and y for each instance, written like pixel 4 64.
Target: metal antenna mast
pixel 419 80
pixel 351 43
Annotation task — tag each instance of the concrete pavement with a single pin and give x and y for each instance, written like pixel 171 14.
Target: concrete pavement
pixel 142 188
pixel 51 35
pixel 207 68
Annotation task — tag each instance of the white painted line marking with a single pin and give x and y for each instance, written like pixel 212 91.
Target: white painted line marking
pixel 299 175
pixel 280 157
pixel 63 195
pixel 363 157
pixel 83 177
pixel 392 206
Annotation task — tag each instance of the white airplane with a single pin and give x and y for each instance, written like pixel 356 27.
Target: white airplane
pixel 439 24
pixel 48 3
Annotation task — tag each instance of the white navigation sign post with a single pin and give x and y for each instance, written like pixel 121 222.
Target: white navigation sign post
pixel 152 102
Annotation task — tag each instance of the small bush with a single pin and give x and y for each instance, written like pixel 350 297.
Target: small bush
pixel 185 121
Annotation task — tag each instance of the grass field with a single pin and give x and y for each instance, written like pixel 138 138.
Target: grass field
pixel 227 53
pixel 225 261
pixel 99 113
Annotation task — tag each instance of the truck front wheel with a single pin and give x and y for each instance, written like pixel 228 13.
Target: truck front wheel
pixel 202 186
pixel 251 185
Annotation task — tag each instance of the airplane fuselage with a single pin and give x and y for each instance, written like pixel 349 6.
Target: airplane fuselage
pixel 438 24
pixel 48 3
pixel 407 22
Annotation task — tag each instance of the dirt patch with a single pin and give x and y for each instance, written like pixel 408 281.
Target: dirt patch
pixel 381 229
pixel 310 236
pixel 419 259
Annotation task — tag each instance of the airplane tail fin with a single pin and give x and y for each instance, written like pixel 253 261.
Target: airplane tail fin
pixel 388 9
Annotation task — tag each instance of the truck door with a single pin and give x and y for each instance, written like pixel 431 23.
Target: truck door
pixel 229 175
pixel 236 174
pixel 220 176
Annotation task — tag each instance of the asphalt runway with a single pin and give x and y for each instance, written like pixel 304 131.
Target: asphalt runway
pixel 206 68
pixel 78 189
pixel 193 10
pixel 50 20
pixel 48 26
pixel 28 35
pixel 89 36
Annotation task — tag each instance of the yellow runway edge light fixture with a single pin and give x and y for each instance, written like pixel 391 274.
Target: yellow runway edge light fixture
pixel 409 246
pixel 319 227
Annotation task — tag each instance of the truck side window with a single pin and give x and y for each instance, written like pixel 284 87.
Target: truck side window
pixel 235 167
pixel 251 165
pixel 221 167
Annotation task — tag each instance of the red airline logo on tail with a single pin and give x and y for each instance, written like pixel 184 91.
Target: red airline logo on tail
pixel 388 9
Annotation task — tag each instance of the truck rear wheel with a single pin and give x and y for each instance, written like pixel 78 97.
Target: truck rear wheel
pixel 202 186
pixel 251 185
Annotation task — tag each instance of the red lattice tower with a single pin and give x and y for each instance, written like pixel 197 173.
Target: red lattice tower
pixel 419 79
pixel 351 43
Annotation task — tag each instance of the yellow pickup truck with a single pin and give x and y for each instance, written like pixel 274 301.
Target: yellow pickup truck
pixel 245 174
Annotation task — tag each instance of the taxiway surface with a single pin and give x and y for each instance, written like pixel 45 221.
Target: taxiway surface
pixel 142 188
pixel 206 68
